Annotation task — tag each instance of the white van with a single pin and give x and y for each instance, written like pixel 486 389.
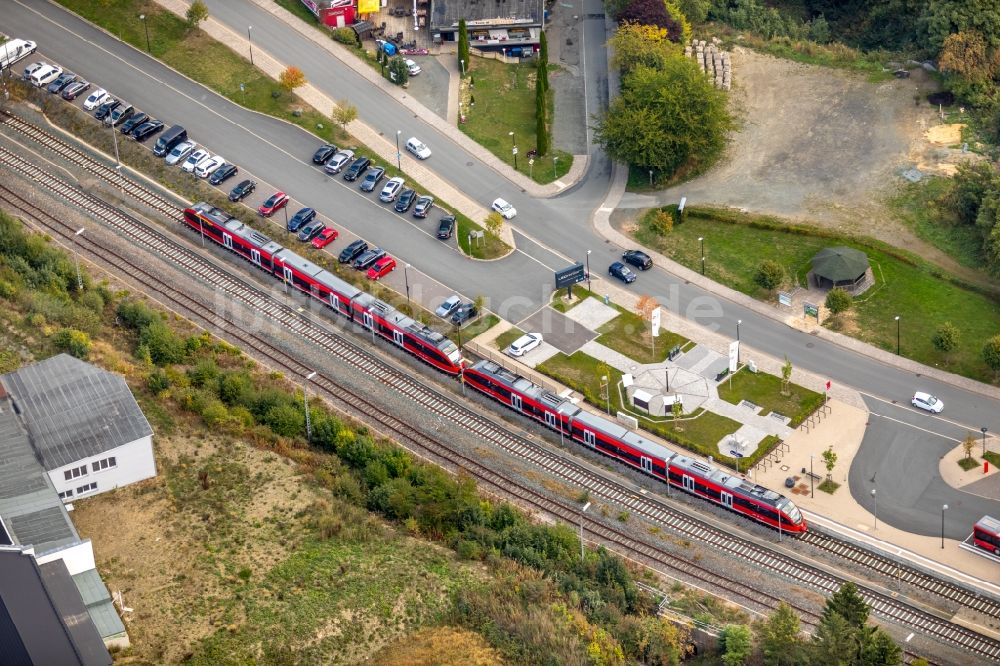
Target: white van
pixel 13 50
pixel 45 75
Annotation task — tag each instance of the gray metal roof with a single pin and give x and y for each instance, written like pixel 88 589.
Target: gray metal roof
pixel 98 602
pixel 74 410
pixel 30 509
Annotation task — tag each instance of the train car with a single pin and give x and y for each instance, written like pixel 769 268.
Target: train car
pixel 986 534
pixel 612 439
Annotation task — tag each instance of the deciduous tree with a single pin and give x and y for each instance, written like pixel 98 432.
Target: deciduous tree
pixel 838 300
pixel 196 13
pixel 399 73
pixel 344 113
pixel 965 54
pixel 770 274
pixel 946 338
pixel 737 644
pixel 292 78
pixel 779 639
pixel 968 444
pixel 830 460
pixel 991 353
pixel 637 44
pixel 652 12
pixel 493 224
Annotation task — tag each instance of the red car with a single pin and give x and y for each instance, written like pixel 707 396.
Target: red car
pixel 277 201
pixel 381 268
pixel 325 237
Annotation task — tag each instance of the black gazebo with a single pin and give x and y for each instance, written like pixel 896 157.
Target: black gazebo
pixel 842 267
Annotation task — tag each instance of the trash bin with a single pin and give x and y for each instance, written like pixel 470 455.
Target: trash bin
pixel 606 299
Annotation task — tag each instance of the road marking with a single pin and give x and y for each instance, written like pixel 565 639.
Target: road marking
pixel 915 427
pixel 907 407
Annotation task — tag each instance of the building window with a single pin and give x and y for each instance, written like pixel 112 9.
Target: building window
pixel 66 494
pixel 90 487
pixel 107 463
pixel 75 473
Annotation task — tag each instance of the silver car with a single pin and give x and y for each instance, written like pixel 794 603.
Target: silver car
pixel 181 152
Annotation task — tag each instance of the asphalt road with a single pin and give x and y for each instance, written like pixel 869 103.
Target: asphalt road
pixel 278 153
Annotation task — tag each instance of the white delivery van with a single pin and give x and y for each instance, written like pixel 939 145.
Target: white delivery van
pixel 13 50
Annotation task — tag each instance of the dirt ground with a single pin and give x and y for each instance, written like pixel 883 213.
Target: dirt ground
pixel 824 146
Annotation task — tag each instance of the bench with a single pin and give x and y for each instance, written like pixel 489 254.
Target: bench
pixel 722 375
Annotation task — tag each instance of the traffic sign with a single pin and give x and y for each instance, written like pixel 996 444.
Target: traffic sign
pixel 514 150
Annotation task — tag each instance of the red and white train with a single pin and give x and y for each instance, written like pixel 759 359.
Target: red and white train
pixel 343 297
pixel 693 476
pixel 986 534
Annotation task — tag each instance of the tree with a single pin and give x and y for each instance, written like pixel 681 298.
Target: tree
pixel 991 353
pixel 637 44
pixel 291 78
pixel 344 113
pixel 835 642
pixel 196 13
pixel 830 460
pixel 942 18
pixel 770 274
pixel 779 639
pixel 645 305
pixel 543 60
pixel 494 224
pixel 465 64
pixel 398 71
pixel 838 300
pixel 965 54
pixel 73 342
pixel 696 11
pixel 878 648
pixel 847 601
pixel 652 12
pixel 541 113
pixel 786 376
pixel 945 339
pixel 968 444
pixel 736 643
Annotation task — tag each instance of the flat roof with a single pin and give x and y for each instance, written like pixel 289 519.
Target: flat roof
pixel 445 14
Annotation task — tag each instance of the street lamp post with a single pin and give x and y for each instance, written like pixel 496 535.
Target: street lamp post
pixel 738 322
pixel 406 276
pixel 461 61
pixel 984 429
pixel 812 479
pixel 875 499
pixel 554 158
pixel 588 270
pixel 250 42
pixel 582 511
pixel 897 335
pixel 701 240
pixel 76 258
pixel 513 149
pixel 142 17
pixel 305 405
pixel 399 164
pixel 944 507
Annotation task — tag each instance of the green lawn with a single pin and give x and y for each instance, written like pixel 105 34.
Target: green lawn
pixel 908 286
pixel 504 339
pixel 764 390
pixel 629 334
pixel 505 102
pixel 559 303
pixel 477 327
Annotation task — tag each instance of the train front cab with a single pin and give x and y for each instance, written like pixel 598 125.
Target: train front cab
pixel 986 534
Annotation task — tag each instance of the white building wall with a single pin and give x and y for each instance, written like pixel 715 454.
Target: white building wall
pixel 133 462
pixel 78 558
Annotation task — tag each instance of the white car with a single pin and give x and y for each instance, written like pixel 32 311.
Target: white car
pixel 391 189
pixel 524 344
pixel 412 67
pixel 180 152
pixel 504 208
pixel 194 159
pixel 45 75
pixel 95 99
pixel 339 161
pixel 207 166
pixel 418 148
pixel 447 308
pixel 928 402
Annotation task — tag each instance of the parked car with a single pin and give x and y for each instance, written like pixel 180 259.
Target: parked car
pixel 622 272
pixel 274 203
pixel 352 251
pixel 367 258
pixel 303 217
pixel 372 179
pixel 638 259
pixel 105 109
pixel 45 75
pixel 61 82
pixel 194 159
pixel 464 313
pixel 928 402
pixel 412 67
pixel 524 344
pixel 208 166
pixel 381 268
pixel 75 89
pixel 146 130
pixel 418 148
pixel 325 237
pixel 31 69
pixel 223 173
pixel 446 227
pixel 242 190
pixel 323 153
pixel 358 167
pixel 309 230
pixel 505 209
pixel 339 161
pixel 133 121
pixel 405 201
pixel 119 114
pixel 448 307
pixel 391 189
pixel 423 206
pixel 95 99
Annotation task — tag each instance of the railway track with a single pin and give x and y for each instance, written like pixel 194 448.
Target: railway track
pixel 648 507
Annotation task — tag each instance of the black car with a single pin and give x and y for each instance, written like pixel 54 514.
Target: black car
pixel 147 129
pixel 446 227
pixel 367 258
pixel 240 192
pixel 406 200
pixel 372 178
pixel 134 121
pixel 104 109
pixel 464 313
pixel 223 173
pixel 638 259
pixel 424 205
pixel 351 252
pixel 61 82
pixel 622 272
pixel 323 153
pixel 304 216
pixel 358 167
pixel 308 231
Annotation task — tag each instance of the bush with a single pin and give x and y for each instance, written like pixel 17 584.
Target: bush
pixel 946 338
pixel 398 73
pixel 770 274
pixel 158 381
pixel 838 300
pixel 135 315
pixel 73 342
pixel 164 346
pixel 345 36
pixel 991 353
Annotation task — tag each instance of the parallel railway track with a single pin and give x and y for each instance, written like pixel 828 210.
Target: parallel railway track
pixel 647 507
